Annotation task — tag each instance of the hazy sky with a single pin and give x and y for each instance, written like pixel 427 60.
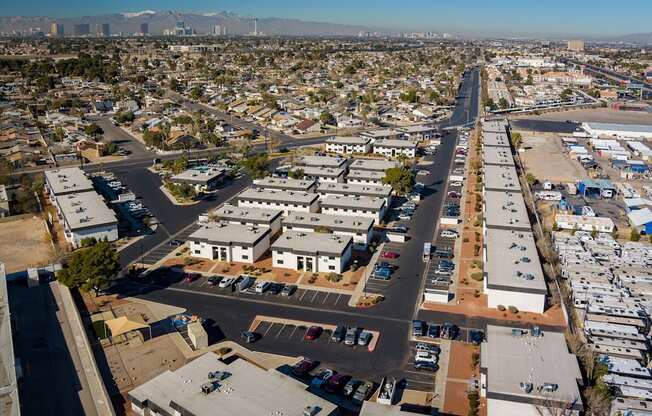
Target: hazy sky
pixel 591 17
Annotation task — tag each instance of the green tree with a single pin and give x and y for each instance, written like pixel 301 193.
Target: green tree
pixel 401 179
pixel 59 134
pixel 180 165
pixel 91 268
pixel 530 179
pixel 125 117
pixel 93 130
pixel 634 235
pixel 502 103
pixel 517 139
pixel 173 84
pixel 326 118
pixel 256 166
pixel 197 92
pixel 296 173
pixel 410 96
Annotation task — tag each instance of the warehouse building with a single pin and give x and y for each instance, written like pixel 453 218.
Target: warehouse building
pixel 360 229
pixel 513 274
pixel 228 242
pixel 505 210
pixel 347 145
pixel 285 201
pixel 209 386
pixel 312 252
pixel 356 206
pixel 528 373
pixel 285 184
pixel 501 156
pixel 252 217
pixel 500 178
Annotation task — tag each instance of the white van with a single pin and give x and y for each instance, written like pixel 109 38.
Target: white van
pixel 548 195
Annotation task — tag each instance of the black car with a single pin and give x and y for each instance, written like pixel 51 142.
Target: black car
pixel 434 330
pixel 275 288
pixel 444 252
pixel 417 328
pixel 338 334
pixel 449 331
pixel 214 280
pixel 476 336
pixel 426 365
pixel 176 243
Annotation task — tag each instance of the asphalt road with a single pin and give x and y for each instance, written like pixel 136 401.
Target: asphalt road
pixel 230 315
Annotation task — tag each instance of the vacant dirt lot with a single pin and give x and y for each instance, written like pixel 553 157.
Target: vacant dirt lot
pixel 597 115
pixel 544 157
pixel 23 244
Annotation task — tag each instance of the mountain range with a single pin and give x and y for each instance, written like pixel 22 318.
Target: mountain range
pixel 202 23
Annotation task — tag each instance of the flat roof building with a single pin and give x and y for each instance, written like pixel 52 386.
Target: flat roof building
pixel 66 181
pixel 203 180
pixel 500 178
pixel 230 242
pixel 526 373
pixel 285 184
pixel 335 175
pixel 382 134
pixel 379 165
pixel 85 215
pixel 365 177
pixel 501 156
pixel 494 126
pixel 323 161
pixel 351 189
pixel 357 206
pixel 312 252
pixel 393 148
pixel 256 217
pixel 584 223
pixel 493 139
pixel 505 210
pixel 420 132
pixel 9 401
pixel 209 386
pixel 286 201
pixel 624 131
pixel 361 229
pixel 346 145
pixel 513 274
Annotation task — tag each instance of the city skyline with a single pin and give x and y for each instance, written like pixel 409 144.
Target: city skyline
pixel 473 17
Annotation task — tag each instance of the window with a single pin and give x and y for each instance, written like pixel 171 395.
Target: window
pixel 331 267
pixel 279 261
pixel 245 256
pixel 331 258
pixel 197 251
pixel 280 253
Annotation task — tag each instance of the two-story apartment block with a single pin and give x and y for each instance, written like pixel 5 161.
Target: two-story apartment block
pixel 229 242
pixel 286 201
pixel 252 217
pixel 393 148
pixel 356 206
pixel 360 229
pixel 312 252
pixel 347 145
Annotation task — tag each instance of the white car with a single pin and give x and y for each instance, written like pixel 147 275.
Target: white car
pixel 425 356
pixel 226 282
pixel 423 172
pixel 456 184
pixel 261 287
pixel 449 234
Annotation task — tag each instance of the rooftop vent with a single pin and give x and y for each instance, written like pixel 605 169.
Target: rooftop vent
pixel 536 332
pixel 517 332
pixel 549 387
pixel 526 387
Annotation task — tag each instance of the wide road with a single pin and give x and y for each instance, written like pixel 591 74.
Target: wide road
pixel 229 315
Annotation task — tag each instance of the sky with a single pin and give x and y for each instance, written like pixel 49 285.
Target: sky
pixel 504 17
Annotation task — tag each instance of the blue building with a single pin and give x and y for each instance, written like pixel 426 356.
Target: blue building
pixel 596 188
pixel 641 219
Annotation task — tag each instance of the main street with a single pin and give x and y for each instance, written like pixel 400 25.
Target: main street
pixel 230 315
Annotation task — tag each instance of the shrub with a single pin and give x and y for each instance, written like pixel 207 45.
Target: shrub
pixel 477 276
pixel 465 240
pixel 312 279
pixel 354 267
pixel 334 277
pixel 513 310
pixel 501 308
pixel 635 235
pixel 476 249
pixel 224 351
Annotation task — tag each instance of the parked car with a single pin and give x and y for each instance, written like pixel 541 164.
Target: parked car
pixel 423 172
pixel 262 286
pixel 191 277
pixel 289 290
pixel 276 288
pixel 456 184
pixel 449 331
pixel 351 336
pixel 444 252
pixel 389 254
pixel 364 338
pixel 214 280
pixel 434 349
pixel 398 229
pixel 245 283
pixel 350 387
pixel 425 356
pixel 336 383
pixel 476 337
pixel 226 282
pixel 338 334
pixel 304 366
pixel 382 273
pixel 449 234
pixel 417 328
pixel 363 392
pixel 313 333
pixel 434 330
pixel 176 243
pixel 322 377
pixel 425 365
pixel 382 264
pixel 249 337
pixel 454 195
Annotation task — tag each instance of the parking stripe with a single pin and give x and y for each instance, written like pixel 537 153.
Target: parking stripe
pixel 279 332
pixel 303 294
pixel 293 331
pixel 268 329
pixel 326 297
pixel 338 299
pixel 314 296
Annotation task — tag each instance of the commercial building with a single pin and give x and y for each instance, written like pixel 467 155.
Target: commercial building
pixel 365 177
pixel 144 29
pixel 312 252
pixel 513 274
pixel 287 201
pixel 9 401
pixel 322 174
pixel 356 206
pixel 56 30
pixel 393 148
pixel 377 165
pixel 576 45
pixel 202 180
pixel 501 156
pixel 82 29
pixel 208 386
pixel 252 217
pixel 229 242
pixel 286 184
pixel 621 131
pixel 323 162
pixel 495 139
pixel 85 215
pixel 641 219
pixel 4 202
pixel 350 189
pixel 360 229
pixel 103 29
pixel 348 145
pixel 66 181
pixel 528 373
pixel 505 210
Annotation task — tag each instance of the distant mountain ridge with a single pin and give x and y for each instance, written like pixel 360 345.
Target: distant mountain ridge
pixel 202 23
pixel 644 38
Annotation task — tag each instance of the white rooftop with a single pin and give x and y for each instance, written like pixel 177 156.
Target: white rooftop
pixel 506 210
pixel 227 233
pixel 373 164
pixel 68 180
pixel 355 140
pixel 249 214
pixel 323 161
pixel 403 144
pixel 313 243
pixel 284 183
pixel 501 178
pixel 85 210
pixel 271 195
pixel 331 222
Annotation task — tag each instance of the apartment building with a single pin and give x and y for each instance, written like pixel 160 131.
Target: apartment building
pixel 360 229
pixel 251 217
pixel 377 165
pixel 350 189
pixel 322 174
pixel 356 206
pixel 285 184
pixel 418 133
pixel 230 242
pixel 202 180
pixel 365 177
pixel 286 201
pixel 66 181
pixel 323 162
pixel 86 215
pixel 347 145
pixel 393 148
pixel 312 252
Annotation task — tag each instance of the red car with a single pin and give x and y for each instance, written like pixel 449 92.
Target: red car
pixel 191 277
pixel 312 333
pixel 336 383
pixel 303 367
pixel 389 254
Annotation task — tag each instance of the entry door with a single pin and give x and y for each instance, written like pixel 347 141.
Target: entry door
pixel 223 256
pixel 308 264
pixel 300 264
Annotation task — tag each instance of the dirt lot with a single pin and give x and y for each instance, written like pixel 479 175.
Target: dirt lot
pixel 545 159
pixel 597 115
pixel 23 244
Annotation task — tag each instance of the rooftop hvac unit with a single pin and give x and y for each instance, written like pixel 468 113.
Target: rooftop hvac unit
pixel 208 388
pixel 517 332
pixel 536 332
pixel 526 387
pixel 311 410
pixel 549 387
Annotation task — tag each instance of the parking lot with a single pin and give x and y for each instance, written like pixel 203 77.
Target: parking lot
pixel 158 253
